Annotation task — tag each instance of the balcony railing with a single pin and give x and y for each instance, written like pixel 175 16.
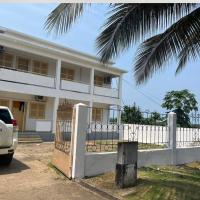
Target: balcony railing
pixel 26 77
pixel 105 91
pixel 76 86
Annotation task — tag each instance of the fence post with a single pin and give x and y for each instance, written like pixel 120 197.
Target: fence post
pixel 171 122
pixel 79 126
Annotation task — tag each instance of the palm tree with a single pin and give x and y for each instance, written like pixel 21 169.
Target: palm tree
pixel 129 23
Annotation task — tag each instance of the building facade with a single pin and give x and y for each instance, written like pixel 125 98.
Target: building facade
pixel 36 76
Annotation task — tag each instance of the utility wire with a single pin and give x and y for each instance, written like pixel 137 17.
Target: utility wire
pixel 148 97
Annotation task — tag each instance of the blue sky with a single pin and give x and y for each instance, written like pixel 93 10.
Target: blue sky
pixel 30 18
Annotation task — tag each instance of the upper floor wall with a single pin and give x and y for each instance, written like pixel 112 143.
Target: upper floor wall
pixel 20 63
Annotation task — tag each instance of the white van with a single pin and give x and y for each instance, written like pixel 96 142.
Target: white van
pixel 8 135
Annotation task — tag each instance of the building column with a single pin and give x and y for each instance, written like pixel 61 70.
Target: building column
pixel 91 93
pixel 120 87
pixel 120 98
pixel 15 62
pixel 58 74
pixel 54 118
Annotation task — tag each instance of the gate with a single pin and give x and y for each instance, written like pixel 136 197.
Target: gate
pixel 62 157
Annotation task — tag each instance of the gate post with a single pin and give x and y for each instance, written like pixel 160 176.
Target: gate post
pixel 79 127
pixel 171 122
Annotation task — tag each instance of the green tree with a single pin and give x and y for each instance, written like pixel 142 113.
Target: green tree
pixel 155 118
pixel 129 23
pixel 182 103
pixel 131 115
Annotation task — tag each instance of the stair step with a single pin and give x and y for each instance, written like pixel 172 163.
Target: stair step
pixel 35 141
pixel 30 138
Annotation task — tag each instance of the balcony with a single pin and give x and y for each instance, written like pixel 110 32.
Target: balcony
pixel 26 77
pixel 108 92
pixel 75 86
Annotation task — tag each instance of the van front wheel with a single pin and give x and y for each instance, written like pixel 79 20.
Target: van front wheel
pixel 6 159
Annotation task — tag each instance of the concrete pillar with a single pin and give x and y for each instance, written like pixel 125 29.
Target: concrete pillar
pixel 79 127
pixel 15 62
pixel 126 167
pixel 118 114
pixel 58 74
pixel 91 93
pixel 120 87
pixel 171 122
pixel 54 118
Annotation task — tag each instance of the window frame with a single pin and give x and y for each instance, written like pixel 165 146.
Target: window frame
pixel 4 62
pixel 37 110
pixel 40 68
pixel 65 74
pixel 95 114
pixel 21 68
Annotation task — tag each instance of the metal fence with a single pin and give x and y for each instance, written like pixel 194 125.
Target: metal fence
pixel 63 129
pixel 63 135
pixel 148 128
pixel 189 135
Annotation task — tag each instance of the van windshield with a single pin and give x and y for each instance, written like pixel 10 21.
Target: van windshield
pixel 5 116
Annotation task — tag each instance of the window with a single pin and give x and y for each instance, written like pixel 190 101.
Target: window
pixel 4 102
pixel 5 116
pixel 67 74
pixel 98 81
pixel 37 110
pixel 23 64
pixel 6 60
pixel 40 67
pixel 97 114
pixel 65 113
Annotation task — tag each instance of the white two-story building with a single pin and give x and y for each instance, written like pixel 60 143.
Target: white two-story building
pixel 36 76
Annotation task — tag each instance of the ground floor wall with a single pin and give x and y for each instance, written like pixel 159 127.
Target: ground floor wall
pixel 48 122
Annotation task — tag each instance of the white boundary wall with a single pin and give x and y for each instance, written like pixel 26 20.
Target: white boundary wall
pixel 98 163
pixel 91 164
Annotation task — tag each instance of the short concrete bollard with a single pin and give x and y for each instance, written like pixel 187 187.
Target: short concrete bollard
pixel 126 167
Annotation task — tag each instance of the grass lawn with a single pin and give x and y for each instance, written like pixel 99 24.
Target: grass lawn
pixel 156 182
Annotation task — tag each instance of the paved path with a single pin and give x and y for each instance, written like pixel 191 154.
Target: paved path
pixel 30 178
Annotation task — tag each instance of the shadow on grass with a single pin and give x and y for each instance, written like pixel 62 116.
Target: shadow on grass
pixel 192 175
pixel 16 166
pixel 155 189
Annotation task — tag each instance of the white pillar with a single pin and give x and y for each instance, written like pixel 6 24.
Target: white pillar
pixel 119 114
pixel 15 62
pixel 79 127
pixel 120 86
pixel 58 74
pixel 54 118
pixel 171 122
pixel 91 93
pixel 120 98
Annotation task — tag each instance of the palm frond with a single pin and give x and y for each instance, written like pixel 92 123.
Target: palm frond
pixel 129 23
pixel 156 51
pixel 189 51
pixel 62 17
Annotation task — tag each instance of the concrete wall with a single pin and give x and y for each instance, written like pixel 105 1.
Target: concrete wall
pixel 26 78
pixel 98 163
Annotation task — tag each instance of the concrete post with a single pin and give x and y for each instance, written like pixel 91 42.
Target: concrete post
pixel 54 118
pixel 58 74
pixel 91 92
pixel 79 127
pixel 171 122
pixel 120 87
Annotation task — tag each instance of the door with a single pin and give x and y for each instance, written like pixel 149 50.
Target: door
pixel 18 110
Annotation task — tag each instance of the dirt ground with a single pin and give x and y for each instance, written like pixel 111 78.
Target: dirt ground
pixel 30 178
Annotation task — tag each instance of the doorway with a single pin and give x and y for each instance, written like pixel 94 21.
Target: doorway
pixel 18 110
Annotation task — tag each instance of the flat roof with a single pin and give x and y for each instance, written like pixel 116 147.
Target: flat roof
pixel 58 47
